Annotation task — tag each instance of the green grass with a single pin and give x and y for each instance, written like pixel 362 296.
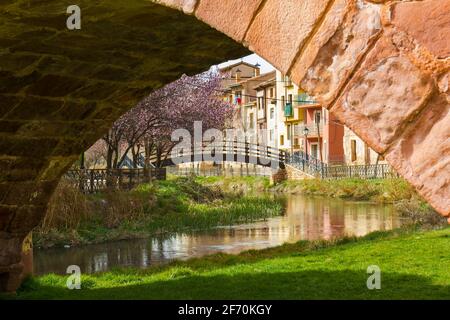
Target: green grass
pixel 377 190
pixel 178 205
pixel 414 265
pixel 236 184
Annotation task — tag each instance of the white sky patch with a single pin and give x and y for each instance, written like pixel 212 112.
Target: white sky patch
pixel 253 59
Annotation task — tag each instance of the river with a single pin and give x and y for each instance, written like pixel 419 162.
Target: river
pixel 305 218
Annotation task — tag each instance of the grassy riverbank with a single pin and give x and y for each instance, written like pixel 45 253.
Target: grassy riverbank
pixel 376 190
pixel 175 205
pixel 414 265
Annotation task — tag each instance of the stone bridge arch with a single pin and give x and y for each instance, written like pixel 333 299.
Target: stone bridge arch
pixel 381 66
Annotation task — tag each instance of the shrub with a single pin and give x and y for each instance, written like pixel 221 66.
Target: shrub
pixel 67 208
pixel 419 213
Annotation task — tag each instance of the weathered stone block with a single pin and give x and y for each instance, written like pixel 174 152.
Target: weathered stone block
pixel 34 108
pixel 232 17
pixel 12 84
pixel 51 85
pixel 27 146
pixel 27 217
pixel 422 155
pixel 6 214
pixel 7 103
pixel 56 167
pixel 8 126
pixel 281 29
pixel 386 91
pixel 34 193
pixel 335 50
pixel 426 21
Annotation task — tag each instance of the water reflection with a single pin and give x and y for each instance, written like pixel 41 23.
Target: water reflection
pixel 306 218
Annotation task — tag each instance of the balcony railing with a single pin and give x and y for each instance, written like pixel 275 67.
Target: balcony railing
pixel 303 99
pixel 312 130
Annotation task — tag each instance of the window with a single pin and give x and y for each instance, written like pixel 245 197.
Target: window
pixel 281 140
pixel 296 142
pixel 271 134
pixel 271 92
pixel 314 150
pixel 353 149
pixel 283 102
pixel 289 132
pixel 251 121
pixel 290 98
pixel 272 113
pixel 261 103
pixel 296 129
pixel 317 116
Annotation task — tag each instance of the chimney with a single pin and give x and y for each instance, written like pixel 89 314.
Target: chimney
pixel 238 75
pixel 257 69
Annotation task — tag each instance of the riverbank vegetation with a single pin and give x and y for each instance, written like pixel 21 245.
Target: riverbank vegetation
pixel 395 191
pixel 202 203
pixel 175 205
pixel 414 265
pixel 375 190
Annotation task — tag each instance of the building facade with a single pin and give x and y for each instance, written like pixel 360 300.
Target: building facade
pixel 357 152
pixel 304 125
pixel 280 114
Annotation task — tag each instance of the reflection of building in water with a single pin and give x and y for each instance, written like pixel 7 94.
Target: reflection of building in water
pixel 306 218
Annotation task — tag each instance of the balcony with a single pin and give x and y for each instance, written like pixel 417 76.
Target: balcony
pixel 304 100
pixel 288 110
pixel 312 130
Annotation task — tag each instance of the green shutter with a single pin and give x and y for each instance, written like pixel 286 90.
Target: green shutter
pixel 288 111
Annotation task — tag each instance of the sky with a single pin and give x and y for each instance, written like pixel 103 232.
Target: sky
pixel 253 59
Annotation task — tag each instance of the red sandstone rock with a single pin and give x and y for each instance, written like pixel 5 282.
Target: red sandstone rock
pixel 282 28
pixel 426 21
pixel 422 155
pixel 231 17
pixel 386 91
pixel 336 57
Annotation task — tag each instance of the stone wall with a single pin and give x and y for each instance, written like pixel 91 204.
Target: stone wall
pixel 293 173
pixel 60 90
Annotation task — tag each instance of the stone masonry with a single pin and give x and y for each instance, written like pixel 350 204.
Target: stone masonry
pixel 381 66
pixel 60 90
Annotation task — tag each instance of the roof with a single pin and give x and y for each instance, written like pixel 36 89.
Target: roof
pixel 238 64
pixel 270 82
